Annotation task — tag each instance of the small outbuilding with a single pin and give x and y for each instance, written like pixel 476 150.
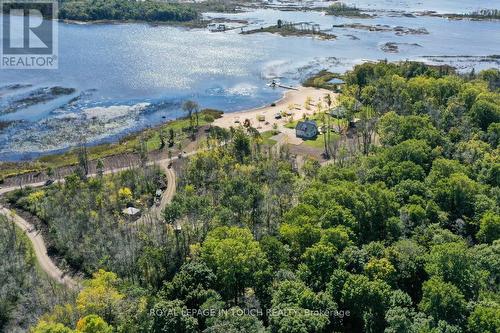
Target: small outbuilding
pixel 131 211
pixel 215 27
pixel 336 84
pixel 306 129
pixel 336 81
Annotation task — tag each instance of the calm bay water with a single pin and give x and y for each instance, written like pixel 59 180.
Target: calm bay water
pixel 130 76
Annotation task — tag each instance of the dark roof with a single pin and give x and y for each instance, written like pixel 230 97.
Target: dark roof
pixel 336 81
pixel 303 125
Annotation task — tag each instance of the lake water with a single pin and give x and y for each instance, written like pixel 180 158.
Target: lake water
pixel 131 76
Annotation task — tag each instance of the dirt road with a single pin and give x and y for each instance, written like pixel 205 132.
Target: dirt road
pixel 36 239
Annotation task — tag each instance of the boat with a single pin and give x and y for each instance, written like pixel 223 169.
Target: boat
pixel 274 83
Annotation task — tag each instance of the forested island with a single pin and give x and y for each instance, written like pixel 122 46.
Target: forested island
pixel 96 10
pixel 483 14
pixel 398 232
pixel 341 9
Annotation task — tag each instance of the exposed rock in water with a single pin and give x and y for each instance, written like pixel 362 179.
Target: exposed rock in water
pixel 37 96
pixel 409 31
pixel 4 125
pixel 12 88
pixel 398 30
pixel 399 13
pixel 352 37
pixel 56 91
pixel 15 86
pixel 392 47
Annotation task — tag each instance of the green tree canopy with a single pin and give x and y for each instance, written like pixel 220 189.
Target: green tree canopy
pixel 235 257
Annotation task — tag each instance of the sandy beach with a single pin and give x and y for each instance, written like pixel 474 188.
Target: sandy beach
pixel 297 98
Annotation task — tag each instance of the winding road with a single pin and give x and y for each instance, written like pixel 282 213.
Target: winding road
pixel 36 239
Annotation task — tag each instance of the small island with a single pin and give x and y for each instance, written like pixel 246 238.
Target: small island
pixel 285 29
pixel 341 9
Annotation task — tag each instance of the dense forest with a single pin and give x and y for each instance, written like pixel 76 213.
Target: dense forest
pixel 93 10
pixel 398 233
pixel 99 234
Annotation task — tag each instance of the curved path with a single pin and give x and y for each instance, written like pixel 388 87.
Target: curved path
pixel 36 239
pixel 166 197
pixel 46 263
pixel 169 193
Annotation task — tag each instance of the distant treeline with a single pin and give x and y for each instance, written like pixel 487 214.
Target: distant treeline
pixel 484 13
pixel 93 10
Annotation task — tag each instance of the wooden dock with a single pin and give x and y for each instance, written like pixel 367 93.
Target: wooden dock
pixel 286 87
pixel 230 28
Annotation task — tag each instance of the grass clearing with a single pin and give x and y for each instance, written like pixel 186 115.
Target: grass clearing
pixel 266 137
pixel 316 143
